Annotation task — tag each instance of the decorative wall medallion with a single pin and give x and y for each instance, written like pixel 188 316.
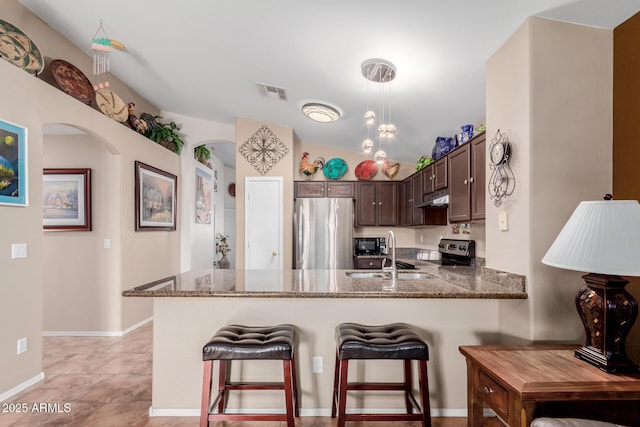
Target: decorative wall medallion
pixel 263 150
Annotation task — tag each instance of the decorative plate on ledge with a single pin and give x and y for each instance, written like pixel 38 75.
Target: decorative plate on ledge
pixel 112 105
pixel 17 48
pixel 335 168
pixel 72 81
pixel 366 170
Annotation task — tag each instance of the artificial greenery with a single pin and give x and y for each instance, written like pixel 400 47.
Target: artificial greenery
pixel 202 153
pixel 166 132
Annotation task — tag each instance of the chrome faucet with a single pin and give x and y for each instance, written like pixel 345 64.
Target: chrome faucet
pixel 391 240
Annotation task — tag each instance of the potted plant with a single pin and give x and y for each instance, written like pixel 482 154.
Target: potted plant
pixel 166 134
pixel 202 154
pixel 223 246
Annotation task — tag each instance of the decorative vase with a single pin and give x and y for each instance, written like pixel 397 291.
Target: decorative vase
pixel 224 262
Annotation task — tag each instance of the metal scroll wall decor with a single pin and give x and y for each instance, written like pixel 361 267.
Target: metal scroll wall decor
pixel 263 150
pixel 502 181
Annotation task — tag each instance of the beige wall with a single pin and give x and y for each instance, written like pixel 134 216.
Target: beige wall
pixel 549 88
pixel 33 104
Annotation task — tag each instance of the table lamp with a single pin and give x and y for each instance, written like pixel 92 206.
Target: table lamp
pixel 603 239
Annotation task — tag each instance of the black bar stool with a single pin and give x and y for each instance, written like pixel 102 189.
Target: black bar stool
pixel 394 341
pixel 237 342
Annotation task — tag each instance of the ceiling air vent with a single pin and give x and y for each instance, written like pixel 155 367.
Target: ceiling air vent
pixel 272 92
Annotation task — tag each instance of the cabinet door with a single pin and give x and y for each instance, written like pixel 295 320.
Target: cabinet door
pixel 459 188
pixel 309 189
pixel 365 204
pixel 440 174
pixel 417 214
pixel 478 178
pixel 340 189
pixel 428 179
pixel 366 263
pixel 387 198
pixel 405 202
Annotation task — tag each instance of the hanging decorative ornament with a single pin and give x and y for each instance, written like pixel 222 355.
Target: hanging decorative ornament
pixel 367 145
pixel 380 156
pixel 101 47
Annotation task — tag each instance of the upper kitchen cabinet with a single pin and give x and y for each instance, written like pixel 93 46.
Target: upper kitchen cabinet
pixel 434 176
pixel 412 190
pixel 467 179
pixel 376 203
pixel 324 189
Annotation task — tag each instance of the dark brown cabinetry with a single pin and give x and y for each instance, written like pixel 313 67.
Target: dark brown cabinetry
pixel 367 262
pixel 412 194
pixel 324 189
pixel 434 176
pixel 376 203
pixel 467 179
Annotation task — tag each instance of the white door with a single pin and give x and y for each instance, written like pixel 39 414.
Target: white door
pixel 263 223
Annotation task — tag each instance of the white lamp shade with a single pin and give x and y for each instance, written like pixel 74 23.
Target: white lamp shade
pixel 600 237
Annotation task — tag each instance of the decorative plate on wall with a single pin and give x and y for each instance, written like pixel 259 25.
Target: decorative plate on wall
pixel 335 168
pixel 17 48
pixel 366 170
pixel 72 81
pixel 112 105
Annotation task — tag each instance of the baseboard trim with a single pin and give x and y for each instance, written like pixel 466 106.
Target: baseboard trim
pixel 21 387
pixel 96 333
pixel 319 412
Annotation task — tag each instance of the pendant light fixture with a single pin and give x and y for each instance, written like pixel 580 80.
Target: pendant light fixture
pixel 379 71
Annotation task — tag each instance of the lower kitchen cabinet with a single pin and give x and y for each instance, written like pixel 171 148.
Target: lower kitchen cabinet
pixel 368 262
pixel 376 203
pixel 467 179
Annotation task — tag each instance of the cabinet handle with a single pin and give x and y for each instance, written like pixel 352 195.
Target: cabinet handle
pixel 274 253
pixel 471 179
pixel 380 203
pixel 487 390
pixel 465 182
pixel 374 203
pixel 370 264
pixel 431 178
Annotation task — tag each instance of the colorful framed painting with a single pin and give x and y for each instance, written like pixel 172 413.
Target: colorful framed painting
pixel 66 199
pixel 13 164
pixel 156 194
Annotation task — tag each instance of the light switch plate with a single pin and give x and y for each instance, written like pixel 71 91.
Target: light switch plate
pixel 503 221
pixel 18 250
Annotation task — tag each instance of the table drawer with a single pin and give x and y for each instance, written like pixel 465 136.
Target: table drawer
pixel 494 395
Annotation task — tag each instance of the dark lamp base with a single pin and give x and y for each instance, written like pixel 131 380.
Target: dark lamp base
pixel 607 312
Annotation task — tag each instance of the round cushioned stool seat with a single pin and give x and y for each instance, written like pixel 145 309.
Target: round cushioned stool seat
pixel 236 342
pixel 393 341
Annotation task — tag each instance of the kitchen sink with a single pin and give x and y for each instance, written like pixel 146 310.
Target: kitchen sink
pixel 402 275
pixel 367 275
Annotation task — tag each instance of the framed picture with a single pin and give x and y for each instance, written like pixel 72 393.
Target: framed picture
pixel 66 199
pixel 203 197
pixel 156 194
pixel 13 164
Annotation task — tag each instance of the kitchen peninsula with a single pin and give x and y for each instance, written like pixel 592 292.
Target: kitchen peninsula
pixel 450 306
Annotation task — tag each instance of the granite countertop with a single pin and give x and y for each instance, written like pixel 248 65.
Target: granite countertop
pixel 439 282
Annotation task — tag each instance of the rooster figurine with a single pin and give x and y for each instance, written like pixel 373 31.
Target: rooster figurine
pixel 390 170
pixel 136 124
pixel 308 169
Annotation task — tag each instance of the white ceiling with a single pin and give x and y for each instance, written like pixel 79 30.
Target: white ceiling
pixel 204 58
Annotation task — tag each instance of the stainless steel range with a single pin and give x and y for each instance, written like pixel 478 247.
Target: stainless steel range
pixel 457 252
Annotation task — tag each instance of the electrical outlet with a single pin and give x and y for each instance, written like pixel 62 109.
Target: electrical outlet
pixel 22 345
pixel 317 365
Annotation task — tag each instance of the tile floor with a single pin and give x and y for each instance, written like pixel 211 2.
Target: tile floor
pixel 107 382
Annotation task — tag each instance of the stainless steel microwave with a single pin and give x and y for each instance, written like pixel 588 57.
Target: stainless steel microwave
pixel 369 246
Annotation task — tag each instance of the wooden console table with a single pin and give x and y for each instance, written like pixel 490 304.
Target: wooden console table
pixel 523 382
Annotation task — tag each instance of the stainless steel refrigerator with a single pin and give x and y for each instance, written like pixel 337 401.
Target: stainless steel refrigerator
pixel 323 233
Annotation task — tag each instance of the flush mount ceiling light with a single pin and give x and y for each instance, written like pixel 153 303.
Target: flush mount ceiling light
pixel 379 71
pixel 320 112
